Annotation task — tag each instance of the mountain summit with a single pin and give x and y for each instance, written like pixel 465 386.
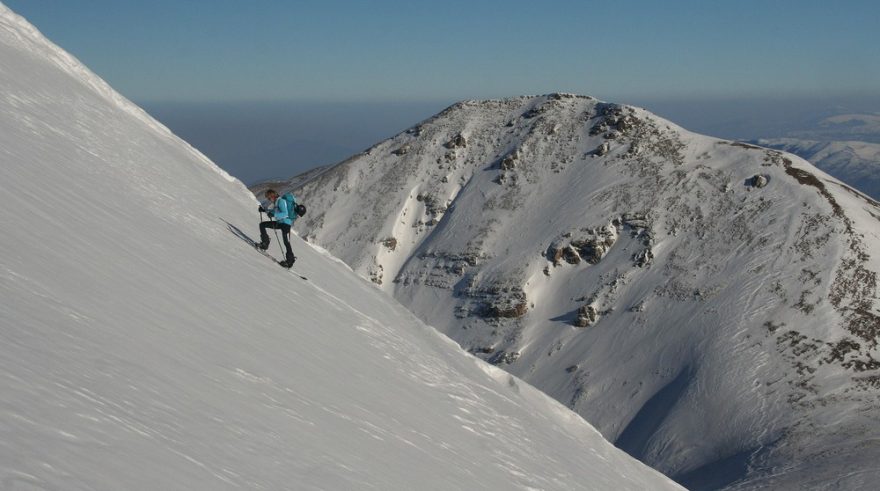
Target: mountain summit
pixel 145 345
pixel 709 305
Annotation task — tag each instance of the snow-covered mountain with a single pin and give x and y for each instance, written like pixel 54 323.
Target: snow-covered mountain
pixel 710 306
pixel 856 163
pixel 145 345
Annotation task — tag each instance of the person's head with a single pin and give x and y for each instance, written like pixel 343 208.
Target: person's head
pixel 271 194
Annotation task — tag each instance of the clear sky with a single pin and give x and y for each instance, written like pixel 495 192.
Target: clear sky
pixel 413 50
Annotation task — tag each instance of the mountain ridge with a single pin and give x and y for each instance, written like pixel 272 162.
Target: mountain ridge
pixel 853 162
pixel 551 235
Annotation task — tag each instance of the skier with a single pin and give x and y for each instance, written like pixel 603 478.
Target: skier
pixel 281 218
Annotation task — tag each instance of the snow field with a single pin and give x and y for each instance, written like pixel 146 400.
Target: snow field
pixel 144 345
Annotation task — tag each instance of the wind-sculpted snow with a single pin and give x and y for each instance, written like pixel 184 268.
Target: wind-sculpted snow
pixel 709 305
pixel 144 345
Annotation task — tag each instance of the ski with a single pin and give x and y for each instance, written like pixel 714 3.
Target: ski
pixel 265 253
pixel 241 235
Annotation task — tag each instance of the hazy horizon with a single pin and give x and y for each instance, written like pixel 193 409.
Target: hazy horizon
pixel 258 141
pixel 275 88
pixel 261 141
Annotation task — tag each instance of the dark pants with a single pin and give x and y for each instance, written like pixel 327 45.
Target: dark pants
pixel 285 233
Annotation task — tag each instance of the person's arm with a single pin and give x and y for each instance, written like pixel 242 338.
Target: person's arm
pixel 281 212
pixel 264 208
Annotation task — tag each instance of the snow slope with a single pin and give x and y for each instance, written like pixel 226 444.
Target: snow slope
pixel 144 345
pixel 709 305
pixel 856 163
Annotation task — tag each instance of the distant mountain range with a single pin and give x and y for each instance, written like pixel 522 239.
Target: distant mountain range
pixel 709 305
pixel 844 127
pixel 856 163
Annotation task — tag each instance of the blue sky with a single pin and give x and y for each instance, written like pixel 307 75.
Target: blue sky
pixel 389 50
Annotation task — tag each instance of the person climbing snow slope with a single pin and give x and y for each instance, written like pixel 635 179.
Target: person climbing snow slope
pixel 281 218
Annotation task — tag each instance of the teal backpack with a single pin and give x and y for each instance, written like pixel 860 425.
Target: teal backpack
pixel 300 210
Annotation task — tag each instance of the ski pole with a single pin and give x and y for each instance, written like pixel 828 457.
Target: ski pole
pixel 261 221
pixel 278 239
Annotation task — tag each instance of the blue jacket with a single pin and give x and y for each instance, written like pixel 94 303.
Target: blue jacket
pixel 281 214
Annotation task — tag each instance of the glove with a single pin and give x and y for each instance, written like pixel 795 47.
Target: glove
pixel 270 213
pixel 261 209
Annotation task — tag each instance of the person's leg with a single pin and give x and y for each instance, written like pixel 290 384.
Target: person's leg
pixel 285 232
pixel 264 236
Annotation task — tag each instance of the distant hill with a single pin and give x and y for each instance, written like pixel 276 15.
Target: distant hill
pixel 709 305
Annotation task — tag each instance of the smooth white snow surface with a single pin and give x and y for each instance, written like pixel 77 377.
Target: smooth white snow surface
pixel 143 345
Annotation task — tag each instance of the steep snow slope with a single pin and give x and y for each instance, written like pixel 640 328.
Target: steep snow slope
pixel 710 306
pixel 143 345
pixel 856 163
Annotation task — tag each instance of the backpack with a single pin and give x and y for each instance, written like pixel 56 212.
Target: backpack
pixel 292 207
